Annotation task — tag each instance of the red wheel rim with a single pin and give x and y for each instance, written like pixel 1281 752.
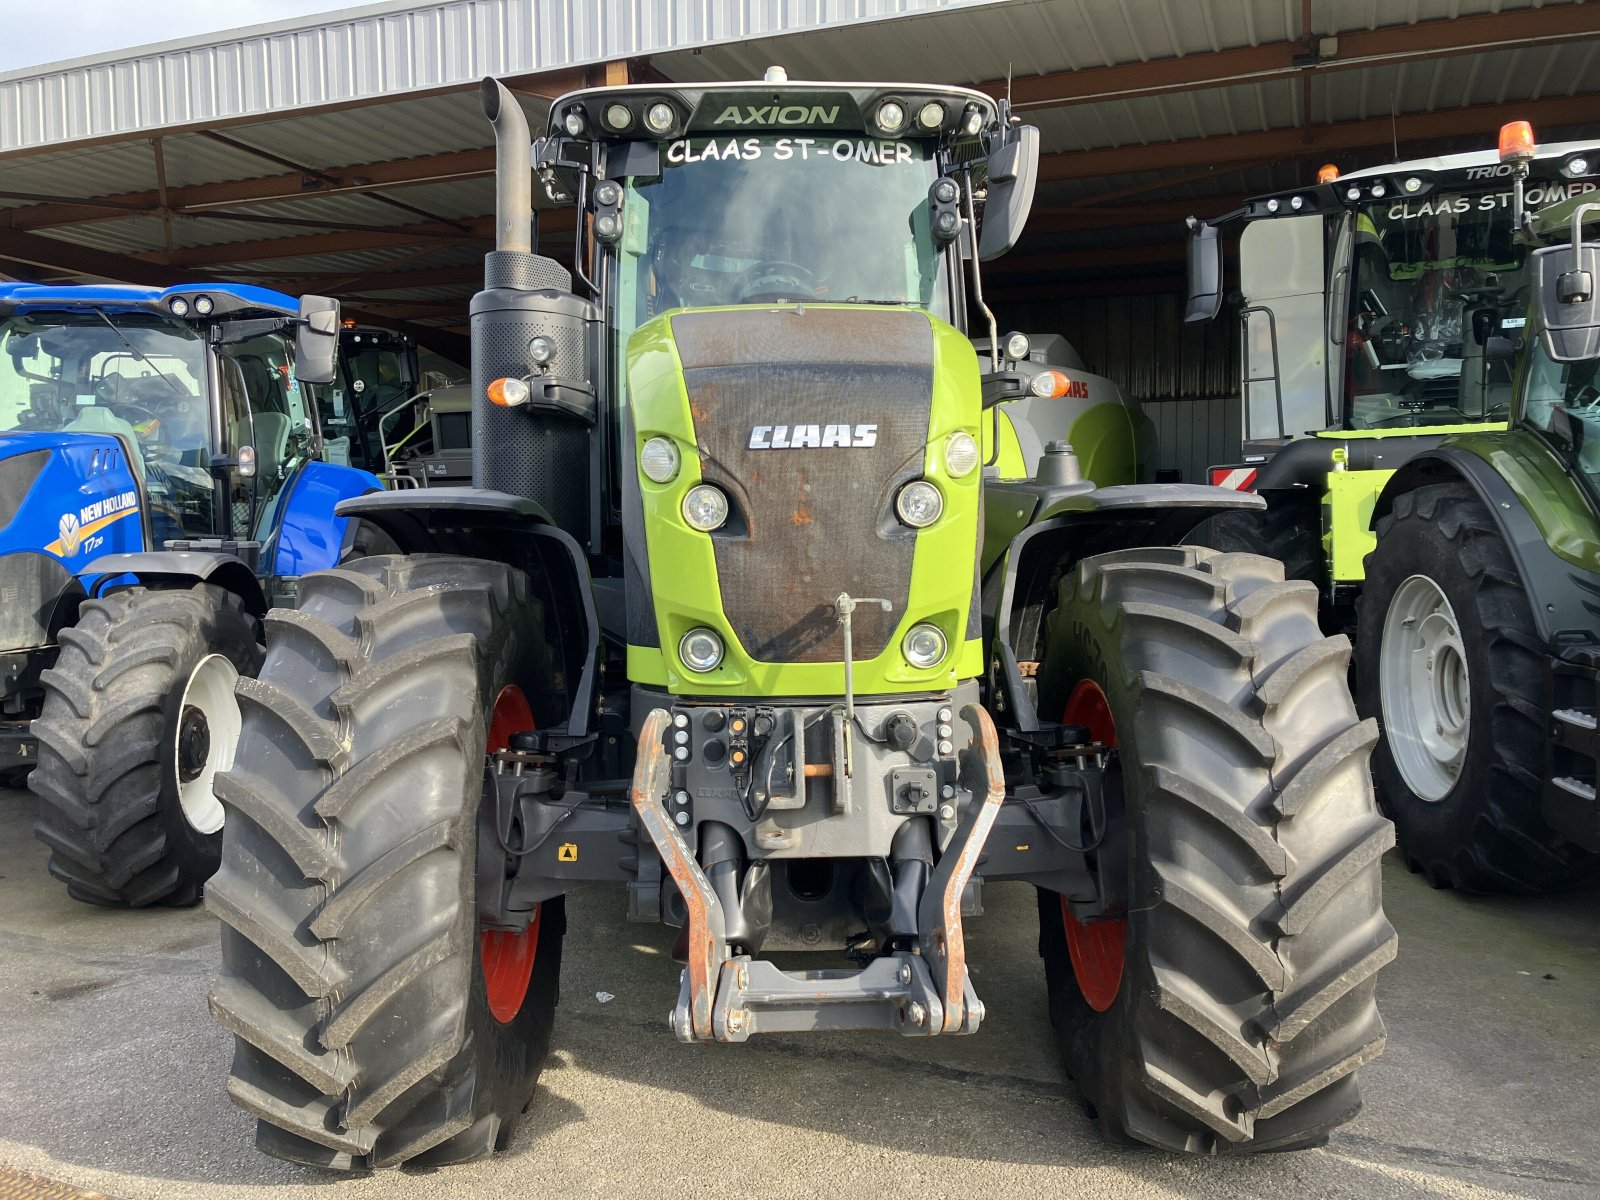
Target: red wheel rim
pixel 508 957
pixel 1096 948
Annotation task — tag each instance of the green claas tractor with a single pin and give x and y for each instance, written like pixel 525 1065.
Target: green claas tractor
pixel 1478 627
pixel 1378 312
pixel 735 619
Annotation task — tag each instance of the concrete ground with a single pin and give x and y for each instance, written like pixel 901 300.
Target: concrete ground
pixel 112 1075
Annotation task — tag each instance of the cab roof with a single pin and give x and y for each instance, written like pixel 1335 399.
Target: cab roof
pixel 228 299
pixel 767 106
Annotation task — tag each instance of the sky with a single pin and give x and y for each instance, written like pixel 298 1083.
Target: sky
pixel 83 27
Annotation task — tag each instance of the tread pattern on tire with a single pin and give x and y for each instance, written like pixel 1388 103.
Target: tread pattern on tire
pixel 1256 926
pixel 1506 846
pixel 1288 530
pixel 346 891
pixel 103 732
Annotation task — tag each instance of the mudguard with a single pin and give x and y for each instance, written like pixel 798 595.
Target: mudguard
pixel 176 568
pixel 71 495
pixel 481 523
pixel 307 533
pixel 1069 523
pixel 1565 599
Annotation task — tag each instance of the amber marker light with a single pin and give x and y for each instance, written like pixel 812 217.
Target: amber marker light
pixel 1049 385
pixel 1516 142
pixel 1327 173
pixel 508 393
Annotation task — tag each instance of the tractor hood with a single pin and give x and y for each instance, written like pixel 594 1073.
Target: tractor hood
pixel 811 420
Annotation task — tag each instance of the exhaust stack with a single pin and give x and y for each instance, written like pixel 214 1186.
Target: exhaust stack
pixel 513 168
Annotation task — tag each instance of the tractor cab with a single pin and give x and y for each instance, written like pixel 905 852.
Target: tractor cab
pixel 1367 300
pixel 1560 393
pixel 194 392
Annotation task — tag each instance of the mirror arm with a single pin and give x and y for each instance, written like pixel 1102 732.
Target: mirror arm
pixel 977 271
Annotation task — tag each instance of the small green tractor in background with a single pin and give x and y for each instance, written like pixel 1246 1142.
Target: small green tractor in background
pixel 736 620
pixel 1380 375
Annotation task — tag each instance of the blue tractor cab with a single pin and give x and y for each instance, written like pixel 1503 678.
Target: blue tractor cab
pixel 162 484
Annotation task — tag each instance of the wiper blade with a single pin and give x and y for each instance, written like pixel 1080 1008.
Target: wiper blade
pixel 136 352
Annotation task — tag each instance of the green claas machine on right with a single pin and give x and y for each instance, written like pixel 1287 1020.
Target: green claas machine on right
pixel 1424 432
pixel 736 620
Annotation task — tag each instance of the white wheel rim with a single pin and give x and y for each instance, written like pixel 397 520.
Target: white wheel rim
pixel 208 704
pixel 1424 688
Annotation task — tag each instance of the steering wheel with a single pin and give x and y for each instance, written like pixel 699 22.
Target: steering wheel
pixel 774 279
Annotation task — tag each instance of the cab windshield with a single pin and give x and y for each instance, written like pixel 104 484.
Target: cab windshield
pixel 1434 278
pixel 1562 400
pixel 94 371
pixel 781 218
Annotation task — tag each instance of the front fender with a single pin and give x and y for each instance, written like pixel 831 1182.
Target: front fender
pixel 1565 598
pixel 309 534
pixel 1070 523
pixel 482 523
pixel 176 569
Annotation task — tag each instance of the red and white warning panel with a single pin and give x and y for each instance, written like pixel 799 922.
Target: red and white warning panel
pixel 1239 479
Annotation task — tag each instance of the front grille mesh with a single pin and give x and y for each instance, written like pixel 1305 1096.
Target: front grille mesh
pixel 813 522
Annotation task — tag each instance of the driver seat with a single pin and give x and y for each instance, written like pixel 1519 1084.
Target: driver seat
pixel 95 419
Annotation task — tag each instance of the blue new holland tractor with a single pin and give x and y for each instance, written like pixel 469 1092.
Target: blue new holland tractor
pixel 162 485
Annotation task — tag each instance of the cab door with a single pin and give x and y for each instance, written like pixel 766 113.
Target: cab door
pixel 1283 332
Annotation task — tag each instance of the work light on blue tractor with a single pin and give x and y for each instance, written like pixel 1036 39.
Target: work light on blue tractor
pixel 716 625
pixel 161 483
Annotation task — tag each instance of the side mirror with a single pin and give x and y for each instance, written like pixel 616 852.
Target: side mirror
pixel 1205 272
pixel 1013 173
pixel 1564 276
pixel 316 340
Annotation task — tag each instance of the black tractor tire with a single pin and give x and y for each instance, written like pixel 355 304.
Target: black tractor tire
pixel 107 776
pixel 1487 832
pixel 1255 924
pixel 1289 529
pixel 351 973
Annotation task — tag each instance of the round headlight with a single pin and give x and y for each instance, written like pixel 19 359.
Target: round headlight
pixel 701 650
pixel 573 122
pixel 618 116
pixel 1353 194
pixel 1297 202
pixel 1413 184
pixel 931 115
pixel 1017 346
pixel 972 123
pixel 705 507
pixel 924 646
pixel 606 226
pixel 1577 166
pixel 541 350
pixel 1273 205
pixel 607 193
pixel 203 305
pixel 179 306
pixel 891 116
pixel 960 454
pixel 945 191
pixel 919 503
pixel 659 459
pixel 659 117
pixel 1379 191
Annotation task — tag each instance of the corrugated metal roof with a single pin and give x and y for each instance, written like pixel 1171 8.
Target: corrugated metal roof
pixel 383 50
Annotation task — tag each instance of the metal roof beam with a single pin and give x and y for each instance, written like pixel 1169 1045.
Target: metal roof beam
pixel 1385 46
pixel 366 177
pixel 1320 140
